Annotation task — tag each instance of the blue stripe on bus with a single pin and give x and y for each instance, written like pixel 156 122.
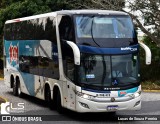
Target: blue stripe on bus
pixel 29 82
pixel 114 51
pixel 97 91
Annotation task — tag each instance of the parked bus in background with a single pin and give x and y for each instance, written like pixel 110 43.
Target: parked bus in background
pixel 82 60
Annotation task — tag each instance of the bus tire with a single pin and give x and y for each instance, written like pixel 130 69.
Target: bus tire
pixel 113 113
pixel 20 94
pixel 15 89
pixel 59 106
pixel 48 99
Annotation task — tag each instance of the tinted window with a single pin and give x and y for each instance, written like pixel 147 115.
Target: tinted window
pixel 66 28
pixel 66 33
pixel 38 65
pixel 38 53
pixel 110 71
pixel 104 30
pixel 35 29
pixel 104 27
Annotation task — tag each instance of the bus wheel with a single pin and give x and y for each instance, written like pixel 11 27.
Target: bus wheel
pixel 20 94
pixel 15 89
pixel 59 106
pixel 48 99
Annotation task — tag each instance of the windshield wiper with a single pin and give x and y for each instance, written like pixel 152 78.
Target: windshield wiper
pixel 92 32
pixel 104 69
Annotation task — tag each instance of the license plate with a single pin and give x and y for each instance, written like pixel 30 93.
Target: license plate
pixel 112 108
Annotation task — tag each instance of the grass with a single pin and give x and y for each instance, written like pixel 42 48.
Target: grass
pixel 1 73
pixel 150 85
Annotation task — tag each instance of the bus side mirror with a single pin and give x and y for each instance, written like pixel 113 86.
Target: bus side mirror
pixel 147 52
pixel 76 52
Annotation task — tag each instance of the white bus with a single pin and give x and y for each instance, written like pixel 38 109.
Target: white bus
pixel 82 60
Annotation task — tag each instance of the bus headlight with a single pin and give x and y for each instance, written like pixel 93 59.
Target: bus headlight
pixel 135 95
pixel 83 95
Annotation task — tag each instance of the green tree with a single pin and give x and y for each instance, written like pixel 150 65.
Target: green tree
pixel 149 11
pixel 97 4
pixel 152 70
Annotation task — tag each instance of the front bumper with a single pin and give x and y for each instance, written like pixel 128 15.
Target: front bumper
pixel 84 105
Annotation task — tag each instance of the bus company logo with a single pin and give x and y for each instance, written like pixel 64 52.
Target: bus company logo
pixel 13 53
pixel 123 93
pixel 129 48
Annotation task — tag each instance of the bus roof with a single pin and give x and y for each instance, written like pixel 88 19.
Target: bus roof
pixel 68 12
pixel 86 11
pixel 30 17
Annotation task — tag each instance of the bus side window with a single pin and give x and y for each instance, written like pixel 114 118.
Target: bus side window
pixel 66 28
pixel 70 68
pixel 68 62
pixel 66 33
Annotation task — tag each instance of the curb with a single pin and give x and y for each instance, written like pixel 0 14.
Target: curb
pixel 158 91
pixel 4 100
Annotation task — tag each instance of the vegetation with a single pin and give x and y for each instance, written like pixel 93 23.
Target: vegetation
pixel 150 74
pixel 153 70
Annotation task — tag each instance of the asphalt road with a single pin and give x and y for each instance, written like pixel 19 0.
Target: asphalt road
pixel 36 107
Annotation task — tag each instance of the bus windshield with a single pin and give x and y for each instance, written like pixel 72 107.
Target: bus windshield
pixel 109 71
pixel 101 26
pixel 105 30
